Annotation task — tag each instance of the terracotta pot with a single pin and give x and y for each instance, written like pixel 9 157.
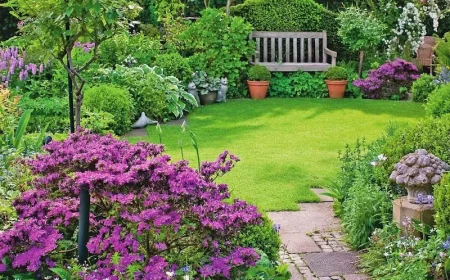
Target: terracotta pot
pixel 209 98
pixel 258 89
pixel 336 89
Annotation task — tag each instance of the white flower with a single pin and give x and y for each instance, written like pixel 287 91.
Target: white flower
pixel 170 274
pixel 186 277
pixel 373 163
pixel 382 157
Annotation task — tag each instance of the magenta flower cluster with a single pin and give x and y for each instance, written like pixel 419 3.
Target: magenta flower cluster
pixel 13 61
pixel 147 213
pixel 388 80
pixel 87 47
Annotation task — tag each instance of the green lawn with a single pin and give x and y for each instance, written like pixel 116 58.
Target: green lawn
pixel 285 145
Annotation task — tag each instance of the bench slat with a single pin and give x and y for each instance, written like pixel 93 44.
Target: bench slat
pixel 280 50
pixel 309 50
pixel 287 40
pixel 324 45
pixel 272 49
pixel 258 50
pixel 273 34
pixel 295 59
pixel 265 50
pixel 316 49
pixel 302 50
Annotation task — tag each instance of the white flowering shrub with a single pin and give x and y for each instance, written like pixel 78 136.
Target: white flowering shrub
pixel 409 32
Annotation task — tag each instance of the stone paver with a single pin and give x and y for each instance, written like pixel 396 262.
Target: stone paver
pixel 138 132
pixel 332 263
pixel 319 193
pixel 313 246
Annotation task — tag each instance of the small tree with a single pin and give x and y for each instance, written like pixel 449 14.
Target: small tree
pixel 360 31
pixel 58 26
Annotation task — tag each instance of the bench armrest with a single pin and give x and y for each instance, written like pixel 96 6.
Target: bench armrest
pixel 333 55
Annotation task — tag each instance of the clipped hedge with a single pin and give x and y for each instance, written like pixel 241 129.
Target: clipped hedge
pixel 291 15
pixel 441 204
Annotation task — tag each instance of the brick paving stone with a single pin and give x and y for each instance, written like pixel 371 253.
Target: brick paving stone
pixel 325 247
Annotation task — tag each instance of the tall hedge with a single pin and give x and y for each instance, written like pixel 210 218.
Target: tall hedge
pixel 292 15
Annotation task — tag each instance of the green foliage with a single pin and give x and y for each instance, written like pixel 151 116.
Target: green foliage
pixel 265 269
pixel 439 102
pixel 98 121
pixel 368 207
pixel 359 29
pixel 159 97
pixel 220 46
pixel 114 100
pixel 336 73
pixel 150 31
pixel 173 64
pixel 291 15
pixel 442 204
pixel 393 256
pixel 259 73
pixel 443 50
pixel 47 111
pixel 205 83
pixel 298 84
pixel 352 71
pixel 126 49
pixel 262 237
pixel 423 87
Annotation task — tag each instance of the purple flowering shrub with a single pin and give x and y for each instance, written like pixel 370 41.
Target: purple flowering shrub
pixel 389 80
pixel 149 216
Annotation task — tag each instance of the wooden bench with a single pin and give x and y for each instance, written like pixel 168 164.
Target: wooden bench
pixel 292 51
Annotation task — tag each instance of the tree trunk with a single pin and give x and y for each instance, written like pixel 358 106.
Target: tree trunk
pixel 228 7
pixel 78 107
pixel 361 59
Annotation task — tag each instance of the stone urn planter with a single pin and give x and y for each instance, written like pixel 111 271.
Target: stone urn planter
pixel 418 172
pixel 208 98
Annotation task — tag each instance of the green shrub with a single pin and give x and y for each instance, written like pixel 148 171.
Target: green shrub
pixel 259 73
pixel 336 73
pixel 443 50
pixel 262 237
pixel 114 100
pixel 52 112
pixel 442 204
pixel 159 97
pixel 367 207
pixel 422 88
pixel 439 102
pixel 125 49
pixel 98 121
pixel 291 15
pixel 175 65
pixel 220 47
pixel 150 31
pixel 298 84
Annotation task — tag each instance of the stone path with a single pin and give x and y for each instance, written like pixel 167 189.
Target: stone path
pixel 312 243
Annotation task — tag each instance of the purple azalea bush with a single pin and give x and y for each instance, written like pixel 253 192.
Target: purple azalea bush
pixel 150 217
pixel 12 60
pixel 390 79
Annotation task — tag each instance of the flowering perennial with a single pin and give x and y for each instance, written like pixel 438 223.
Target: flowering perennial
pixel 148 216
pixel 389 79
pixel 13 61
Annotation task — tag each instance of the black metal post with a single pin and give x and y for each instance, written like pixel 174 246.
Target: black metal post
pixel 83 234
pixel 83 226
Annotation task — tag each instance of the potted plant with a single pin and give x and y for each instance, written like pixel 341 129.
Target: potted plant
pixel 258 81
pixel 336 80
pixel 206 86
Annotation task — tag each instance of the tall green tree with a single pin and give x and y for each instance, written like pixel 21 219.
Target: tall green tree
pixel 57 26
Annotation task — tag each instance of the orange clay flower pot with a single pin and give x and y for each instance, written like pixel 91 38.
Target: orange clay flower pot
pixel 258 89
pixel 336 89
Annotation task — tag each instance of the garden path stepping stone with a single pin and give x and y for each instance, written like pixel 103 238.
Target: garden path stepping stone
pixel 138 132
pixel 332 264
pixel 295 226
pixel 319 193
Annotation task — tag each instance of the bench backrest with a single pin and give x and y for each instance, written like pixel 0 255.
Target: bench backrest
pixel 290 47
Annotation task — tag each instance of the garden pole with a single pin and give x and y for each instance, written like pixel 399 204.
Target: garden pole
pixel 83 226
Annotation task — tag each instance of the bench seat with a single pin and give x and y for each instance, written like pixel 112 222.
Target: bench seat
pixel 293 67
